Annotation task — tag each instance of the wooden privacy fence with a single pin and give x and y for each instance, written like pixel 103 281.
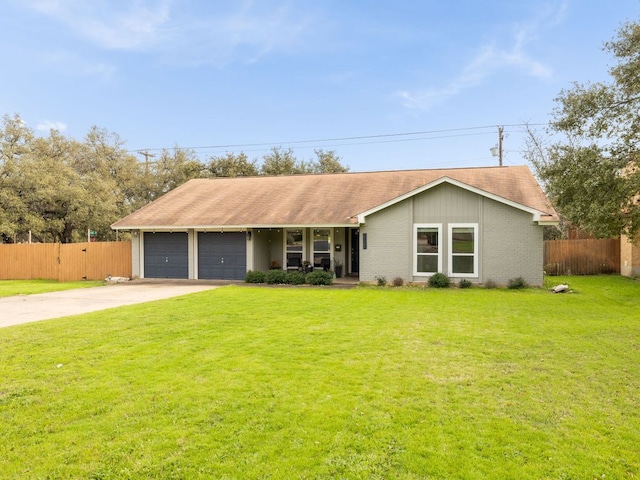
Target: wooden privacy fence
pixel 582 257
pixel 65 262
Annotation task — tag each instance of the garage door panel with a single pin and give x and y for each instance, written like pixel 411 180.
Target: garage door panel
pixel 222 256
pixel 166 255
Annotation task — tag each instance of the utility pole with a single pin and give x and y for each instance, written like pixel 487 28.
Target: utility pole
pixel 497 150
pixel 146 155
pixel 500 138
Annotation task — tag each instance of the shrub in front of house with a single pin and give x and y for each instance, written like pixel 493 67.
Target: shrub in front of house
pixel 517 283
pixel 439 280
pixel 398 282
pixel 294 278
pixel 381 280
pixel 319 277
pixel 464 283
pixel 275 277
pixel 254 277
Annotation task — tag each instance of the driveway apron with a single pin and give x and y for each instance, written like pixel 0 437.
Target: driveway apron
pixel 32 308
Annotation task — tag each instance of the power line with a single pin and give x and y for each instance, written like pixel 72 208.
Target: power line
pixel 348 139
pixel 253 150
pixel 214 150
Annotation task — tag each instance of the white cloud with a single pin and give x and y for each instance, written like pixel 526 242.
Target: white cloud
pixel 47 125
pixel 246 34
pixel 489 61
pixel 109 24
pixel 252 29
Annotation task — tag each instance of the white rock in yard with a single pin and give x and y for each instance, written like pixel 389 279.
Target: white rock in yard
pixel 560 288
pixel 111 279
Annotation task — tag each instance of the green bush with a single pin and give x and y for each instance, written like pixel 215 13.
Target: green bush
pixel 381 280
pixel 254 277
pixel 275 276
pixel 517 283
pixel 464 283
pixel 439 280
pixel 294 278
pixel 319 277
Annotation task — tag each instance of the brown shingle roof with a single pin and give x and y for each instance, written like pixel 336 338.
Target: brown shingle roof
pixel 327 199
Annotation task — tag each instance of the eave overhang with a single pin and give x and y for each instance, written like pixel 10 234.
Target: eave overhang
pixel 217 228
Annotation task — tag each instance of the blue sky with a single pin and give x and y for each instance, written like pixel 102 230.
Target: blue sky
pixel 338 75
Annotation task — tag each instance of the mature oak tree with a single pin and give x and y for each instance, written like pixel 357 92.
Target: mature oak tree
pixel 170 170
pixel 232 165
pixel 276 162
pixel 592 176
pixel 15 141
pixel 327 162
pixel 56 188
pixel 284 162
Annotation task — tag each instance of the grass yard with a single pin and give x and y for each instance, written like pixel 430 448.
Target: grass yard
pixel 372 383
pixel 9 288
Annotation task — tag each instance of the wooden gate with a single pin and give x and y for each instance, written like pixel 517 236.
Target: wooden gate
pixel 65 262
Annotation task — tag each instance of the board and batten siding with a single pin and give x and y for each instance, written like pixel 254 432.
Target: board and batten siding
pixel 510 244
pixel 446 204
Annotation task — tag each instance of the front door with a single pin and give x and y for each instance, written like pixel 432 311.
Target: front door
pixel 355 250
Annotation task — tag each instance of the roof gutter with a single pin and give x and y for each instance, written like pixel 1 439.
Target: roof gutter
pixel 167 228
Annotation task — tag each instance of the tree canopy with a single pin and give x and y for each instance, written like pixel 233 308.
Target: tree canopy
pixel 276 162
pixel 233 165
pixel 592 173
pixel 284 162
pixel 57 188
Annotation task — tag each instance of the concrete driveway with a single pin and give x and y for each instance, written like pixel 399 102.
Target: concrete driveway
pixel 32 308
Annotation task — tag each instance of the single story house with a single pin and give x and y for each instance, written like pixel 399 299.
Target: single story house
pixel 475 223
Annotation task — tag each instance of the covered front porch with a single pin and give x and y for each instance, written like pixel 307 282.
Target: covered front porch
pixel 306 248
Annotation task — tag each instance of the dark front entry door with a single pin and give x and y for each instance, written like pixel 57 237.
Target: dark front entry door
pixel 166 255
pixel 355 250
pixel 222 256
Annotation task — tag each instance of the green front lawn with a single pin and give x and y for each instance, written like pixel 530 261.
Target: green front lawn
pixel 9 288
pixel 244 382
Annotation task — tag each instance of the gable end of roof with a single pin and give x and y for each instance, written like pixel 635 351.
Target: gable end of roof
pixel 537 214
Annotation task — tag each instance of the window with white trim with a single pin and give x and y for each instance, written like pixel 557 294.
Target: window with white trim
pixel 463 249
pixel 427 258
pixel 294 248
